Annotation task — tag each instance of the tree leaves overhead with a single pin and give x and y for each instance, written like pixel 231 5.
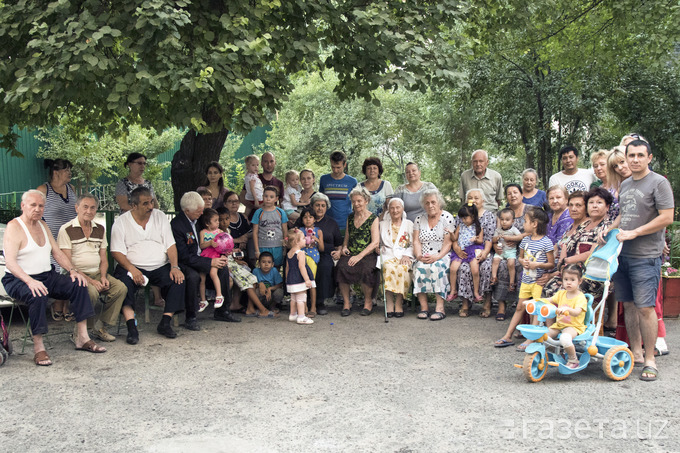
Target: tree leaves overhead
pixel 206 64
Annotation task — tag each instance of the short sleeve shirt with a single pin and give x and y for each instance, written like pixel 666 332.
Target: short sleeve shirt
pixel 491 185
pixel 581 180
pixel 337 191
pixel 271 278
pixel 535 251
pixel 640 202
pixel 146 248
pixel 432 239
pixel 270 227
pixel 84 251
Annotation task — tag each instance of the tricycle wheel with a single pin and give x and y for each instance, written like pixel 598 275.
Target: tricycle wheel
pixel 618 363
pixel 535 367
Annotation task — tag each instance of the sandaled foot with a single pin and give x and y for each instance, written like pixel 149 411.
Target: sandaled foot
pixel 437 316
pixel 69 317
pixel 91 346
pixel 57 315
pixel 464 313
pixel 485 313
pixel 42 359
pixel 573 364
pixel 311 314
pixel 423 314
pixel 649 373
pixel 523 347
pixel 500 316
pixel 503 343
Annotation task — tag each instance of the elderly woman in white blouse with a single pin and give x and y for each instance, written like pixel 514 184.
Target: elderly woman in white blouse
pixel 396 252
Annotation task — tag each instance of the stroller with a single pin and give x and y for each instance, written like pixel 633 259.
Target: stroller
pixel 544 352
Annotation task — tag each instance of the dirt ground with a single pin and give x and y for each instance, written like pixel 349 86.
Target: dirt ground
pixel 340 385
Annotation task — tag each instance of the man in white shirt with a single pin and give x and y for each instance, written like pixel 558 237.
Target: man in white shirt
pixel 144 247
pixel 572 177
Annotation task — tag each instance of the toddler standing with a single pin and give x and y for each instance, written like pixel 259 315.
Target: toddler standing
pixel 506 232
pixel 298 277
pixel 254 187
pixel 313 245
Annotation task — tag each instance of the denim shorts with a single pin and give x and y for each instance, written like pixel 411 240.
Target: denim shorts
pixel 637 280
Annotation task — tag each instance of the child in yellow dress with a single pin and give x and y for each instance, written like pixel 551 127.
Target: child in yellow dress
pixel 571 312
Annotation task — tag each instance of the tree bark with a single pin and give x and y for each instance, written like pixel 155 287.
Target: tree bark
pixel 189 163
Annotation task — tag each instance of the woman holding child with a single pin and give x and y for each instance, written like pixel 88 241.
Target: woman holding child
pixel 358 257
pixel 465 285
pixel 396 252
pixel 502 290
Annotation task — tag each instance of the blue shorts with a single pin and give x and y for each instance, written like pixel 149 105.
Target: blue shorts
pixel 277 253
pixel 637 280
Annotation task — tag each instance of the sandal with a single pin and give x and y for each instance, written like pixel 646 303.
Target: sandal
pixel 424 314
pixel 69 317
pixel 42 359
pixel 202 305
pixel 463 313
pixel 485 313
pixel 91 346
pixel 311 314
pixel 57 315
pixel 649 373
pixel 523 347
pixel 573 364
pixel 437 316
pixel 503 343
pixel 219 300
pixel 500 316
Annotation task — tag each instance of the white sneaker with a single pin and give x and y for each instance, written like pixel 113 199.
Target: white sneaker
pixel 202 305
pixel 305 320
pixel 292 318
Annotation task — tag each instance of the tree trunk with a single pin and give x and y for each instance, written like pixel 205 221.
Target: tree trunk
pixel 189 163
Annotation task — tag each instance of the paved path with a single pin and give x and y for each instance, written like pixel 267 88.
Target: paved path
pixel 341 385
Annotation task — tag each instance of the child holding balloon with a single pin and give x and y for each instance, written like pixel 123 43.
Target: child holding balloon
pixel 211 248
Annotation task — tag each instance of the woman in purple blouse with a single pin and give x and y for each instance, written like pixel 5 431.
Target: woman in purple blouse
pixel 560 220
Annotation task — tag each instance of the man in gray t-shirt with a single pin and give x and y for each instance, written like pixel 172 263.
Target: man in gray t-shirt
pixel 647 205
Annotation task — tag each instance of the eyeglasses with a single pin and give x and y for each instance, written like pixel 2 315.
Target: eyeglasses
pixel 139 163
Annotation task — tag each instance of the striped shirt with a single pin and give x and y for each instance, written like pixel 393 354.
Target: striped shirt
pixel 84 251
pixel 535 251
pixel 58 211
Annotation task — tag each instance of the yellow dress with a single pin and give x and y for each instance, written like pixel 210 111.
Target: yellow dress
pixel 396 275
pixel 566 320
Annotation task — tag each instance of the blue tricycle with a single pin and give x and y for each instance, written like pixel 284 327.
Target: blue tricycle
pixel 544 352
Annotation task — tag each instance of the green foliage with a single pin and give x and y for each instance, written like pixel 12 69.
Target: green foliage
pixel 234 170
pixel 94 157
pixel 206 65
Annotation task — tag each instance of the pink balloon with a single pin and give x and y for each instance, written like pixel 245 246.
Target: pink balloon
pixel 224 243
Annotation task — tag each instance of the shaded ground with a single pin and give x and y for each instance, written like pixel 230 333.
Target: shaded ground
pixel 342 384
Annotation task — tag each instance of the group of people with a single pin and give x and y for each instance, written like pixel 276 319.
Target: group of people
pixel 506 242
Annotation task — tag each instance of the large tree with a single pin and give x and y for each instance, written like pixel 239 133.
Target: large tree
pixel 206 65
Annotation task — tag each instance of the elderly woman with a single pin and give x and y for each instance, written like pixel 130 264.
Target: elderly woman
pixel 530 192
pixel 332 245
pixel 214 184
pixel 431 246
pixel 358 255
pixel 396 254
pixel 589 213
pixel 60 207
pixel 378 188
pixel 559 219
pixel 411 191
pixel 599 161
pixel 465 286
pixel 513 195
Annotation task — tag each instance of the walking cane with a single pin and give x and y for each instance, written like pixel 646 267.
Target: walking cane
pixel 382 279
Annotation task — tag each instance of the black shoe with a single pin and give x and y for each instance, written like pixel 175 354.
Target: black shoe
pixel 344 312
pixel 366 312
pixel 166 330
pixel 397 314
pixel 192 324
pixel 132 336
pixel 321 310
pixel 390 314
pixel 226 316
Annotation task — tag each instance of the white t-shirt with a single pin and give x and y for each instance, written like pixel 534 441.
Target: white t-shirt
pixel 290 190
pixel 581 180
pixel 146 248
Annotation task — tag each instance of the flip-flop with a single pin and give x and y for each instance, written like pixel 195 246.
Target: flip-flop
pixel 91 346
pixel 503 343
pixel 649 370
pixel 500 316
pixel 268 315
pixel 523 347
